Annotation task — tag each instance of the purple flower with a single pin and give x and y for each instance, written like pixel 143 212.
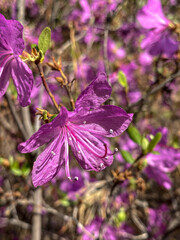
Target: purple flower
pixel 158 39
pixel 83 129
pixel 11 46
pixel 158 221
pixel 164 161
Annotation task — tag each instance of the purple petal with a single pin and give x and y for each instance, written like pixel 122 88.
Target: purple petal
pixel 23 80
pixel 152 16
pixel 45 134
pixel 160 177
pixel 94 95
pixel 4 74
pixel 108 121
pixel 90 151
pixel 11 35
pixel 48 162
pixel 167 159
pixel 158 43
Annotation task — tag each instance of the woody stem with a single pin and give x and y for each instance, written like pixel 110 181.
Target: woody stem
pixel 39 66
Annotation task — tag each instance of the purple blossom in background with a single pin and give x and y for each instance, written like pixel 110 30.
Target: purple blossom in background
pixel 11 46
pixel 85 71
pixel 158 38
pixel 108 231
pixel 115 53
pixel 130 34
pixel 73 189
pixel 165 160
pixel 158 221
pixel 83 129
pixel 145 59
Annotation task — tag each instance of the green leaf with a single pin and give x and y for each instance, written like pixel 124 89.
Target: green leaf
pixel 154 141
pixel 132 182
pixel 144 143
pixel 120 217
pixel 33 45
pixel 123 80
pixel 65 203
pixel 51 118
pixel 16 171
pixel 25 169
pixel 44 40
pixel 134 134
pixel 11 160
pixel 127 156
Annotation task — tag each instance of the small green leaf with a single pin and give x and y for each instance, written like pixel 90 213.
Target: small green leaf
pixel 11 160
pixel 127 156
pixel 155 152
pixel 154 141
pixel 44 40
pixel 120 217
pixel 144 143
pixel 65 202
pixel 25 169
pixel 123 80
pixel 51 118
pixel 16 171
pixel 132 182
pixel 33 45
pixel 134 134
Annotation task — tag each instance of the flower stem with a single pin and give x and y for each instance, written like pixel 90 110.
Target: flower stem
pixel 39 66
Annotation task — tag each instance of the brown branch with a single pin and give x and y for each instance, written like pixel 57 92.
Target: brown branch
pixel 36 219
pixel 155 90
pixel 39 66
pixel 67 44
pixel 15 116
pixel 53 211
pixel 105 48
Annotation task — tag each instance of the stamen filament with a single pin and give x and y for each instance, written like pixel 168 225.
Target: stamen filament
pixel 66 155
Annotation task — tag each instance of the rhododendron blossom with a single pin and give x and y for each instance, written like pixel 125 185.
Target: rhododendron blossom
pixel 159 37
pixel 11 65
pixel 83 129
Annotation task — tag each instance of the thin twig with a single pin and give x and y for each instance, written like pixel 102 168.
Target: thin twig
pixel 27 226
pixel 8 186
pixel 15 116
pixel 67 44
pixel 36 220
pixel 69 218
pixel 105 48
pixel 39 66
pixel 155 90
pixel 26 116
